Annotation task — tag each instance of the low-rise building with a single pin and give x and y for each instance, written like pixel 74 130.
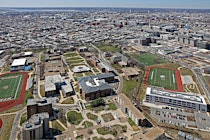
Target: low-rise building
pixel 93 87
pixel 53 84
pixel 128 108
pixel 177 99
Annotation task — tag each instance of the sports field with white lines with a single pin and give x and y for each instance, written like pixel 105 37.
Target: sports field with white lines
pixel 10 86
pixel 162 77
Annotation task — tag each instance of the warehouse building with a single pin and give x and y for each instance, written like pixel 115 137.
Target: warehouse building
pixel 176 99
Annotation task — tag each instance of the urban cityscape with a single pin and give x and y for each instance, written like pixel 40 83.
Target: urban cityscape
pixel 104 73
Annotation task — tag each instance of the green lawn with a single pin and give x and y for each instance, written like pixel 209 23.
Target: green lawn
pixel 107 117
pixel 23 119
pixel 10 85
pixel 162 77
pixel 149 59
pixel 96 109
pixel 69 100
pixel 112 106
pixel 92 116
pixel 57 126
pixel 128 86
pixel 109 49
pixel 101 138
pixel 74 117
pixel 73 54
pixel 114 130
pixel 87 124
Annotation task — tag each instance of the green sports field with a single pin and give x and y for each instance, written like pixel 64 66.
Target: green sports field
pixel 10 86
pixel 162 77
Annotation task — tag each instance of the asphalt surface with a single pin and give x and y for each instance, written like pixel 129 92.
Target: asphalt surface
pixel 15 126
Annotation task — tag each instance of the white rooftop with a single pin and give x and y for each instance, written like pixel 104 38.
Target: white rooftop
pixel 81 68
pixel 189 97
pixel 19 62
pixel 27 53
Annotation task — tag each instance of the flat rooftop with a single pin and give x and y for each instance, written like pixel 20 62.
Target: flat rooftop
pixel 19 62
pixel 176 95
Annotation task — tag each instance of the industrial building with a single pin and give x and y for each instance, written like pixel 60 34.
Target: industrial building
pixel 37 127
pixel 176 99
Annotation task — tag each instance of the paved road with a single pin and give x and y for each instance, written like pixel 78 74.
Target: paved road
pixel 15 126
pixel 120 86
pixel 36 91
pixel 202 82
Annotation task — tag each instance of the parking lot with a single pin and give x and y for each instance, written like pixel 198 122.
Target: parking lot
pixel 202 120
pixel 174 116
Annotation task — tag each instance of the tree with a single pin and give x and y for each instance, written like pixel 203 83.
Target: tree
pixel 97 102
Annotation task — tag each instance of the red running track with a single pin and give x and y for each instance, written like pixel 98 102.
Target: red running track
pixel 1 122
pixel 177 74
pixel 9 104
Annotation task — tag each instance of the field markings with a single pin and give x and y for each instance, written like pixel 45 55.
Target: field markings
pixel 152 75
pixel 17 88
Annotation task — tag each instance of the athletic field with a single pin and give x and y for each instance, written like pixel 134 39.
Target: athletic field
pixel 10 86
pixel 162 77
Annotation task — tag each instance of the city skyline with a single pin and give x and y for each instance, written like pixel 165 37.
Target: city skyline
pixel 189 4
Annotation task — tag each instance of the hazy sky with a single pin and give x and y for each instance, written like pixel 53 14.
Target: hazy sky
pixel 201 4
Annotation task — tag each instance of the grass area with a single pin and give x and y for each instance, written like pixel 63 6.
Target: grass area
pixel 88 73
pixel 74 117
pixel 162 77
pixel 74 58
pixel 42 92
pixel 92 116
pixel 63 122
pixel 7 126
pixel 87 124
pixel 78 74
pixel 57 126
pixel 113 130
pixel 96 109
pixel 149 59
pixel 69 100
pixel 112 106
pixel 207 78
pixel 11 85
pixel 42 57
pixel 186 71
pixel 128 86
pixel 80 137
pixel 107 117
pixel 95 70
pixel 108 49
pixel 73 54
pixel 75 61
pixel 132 124
pixel 101 138
pixel 23 119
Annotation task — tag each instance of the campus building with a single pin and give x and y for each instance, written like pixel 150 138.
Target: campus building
pixel 37 127
pixel 93 87
pixel 176 99
pixel 128 108
pixel 20 64
pixel 39 106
